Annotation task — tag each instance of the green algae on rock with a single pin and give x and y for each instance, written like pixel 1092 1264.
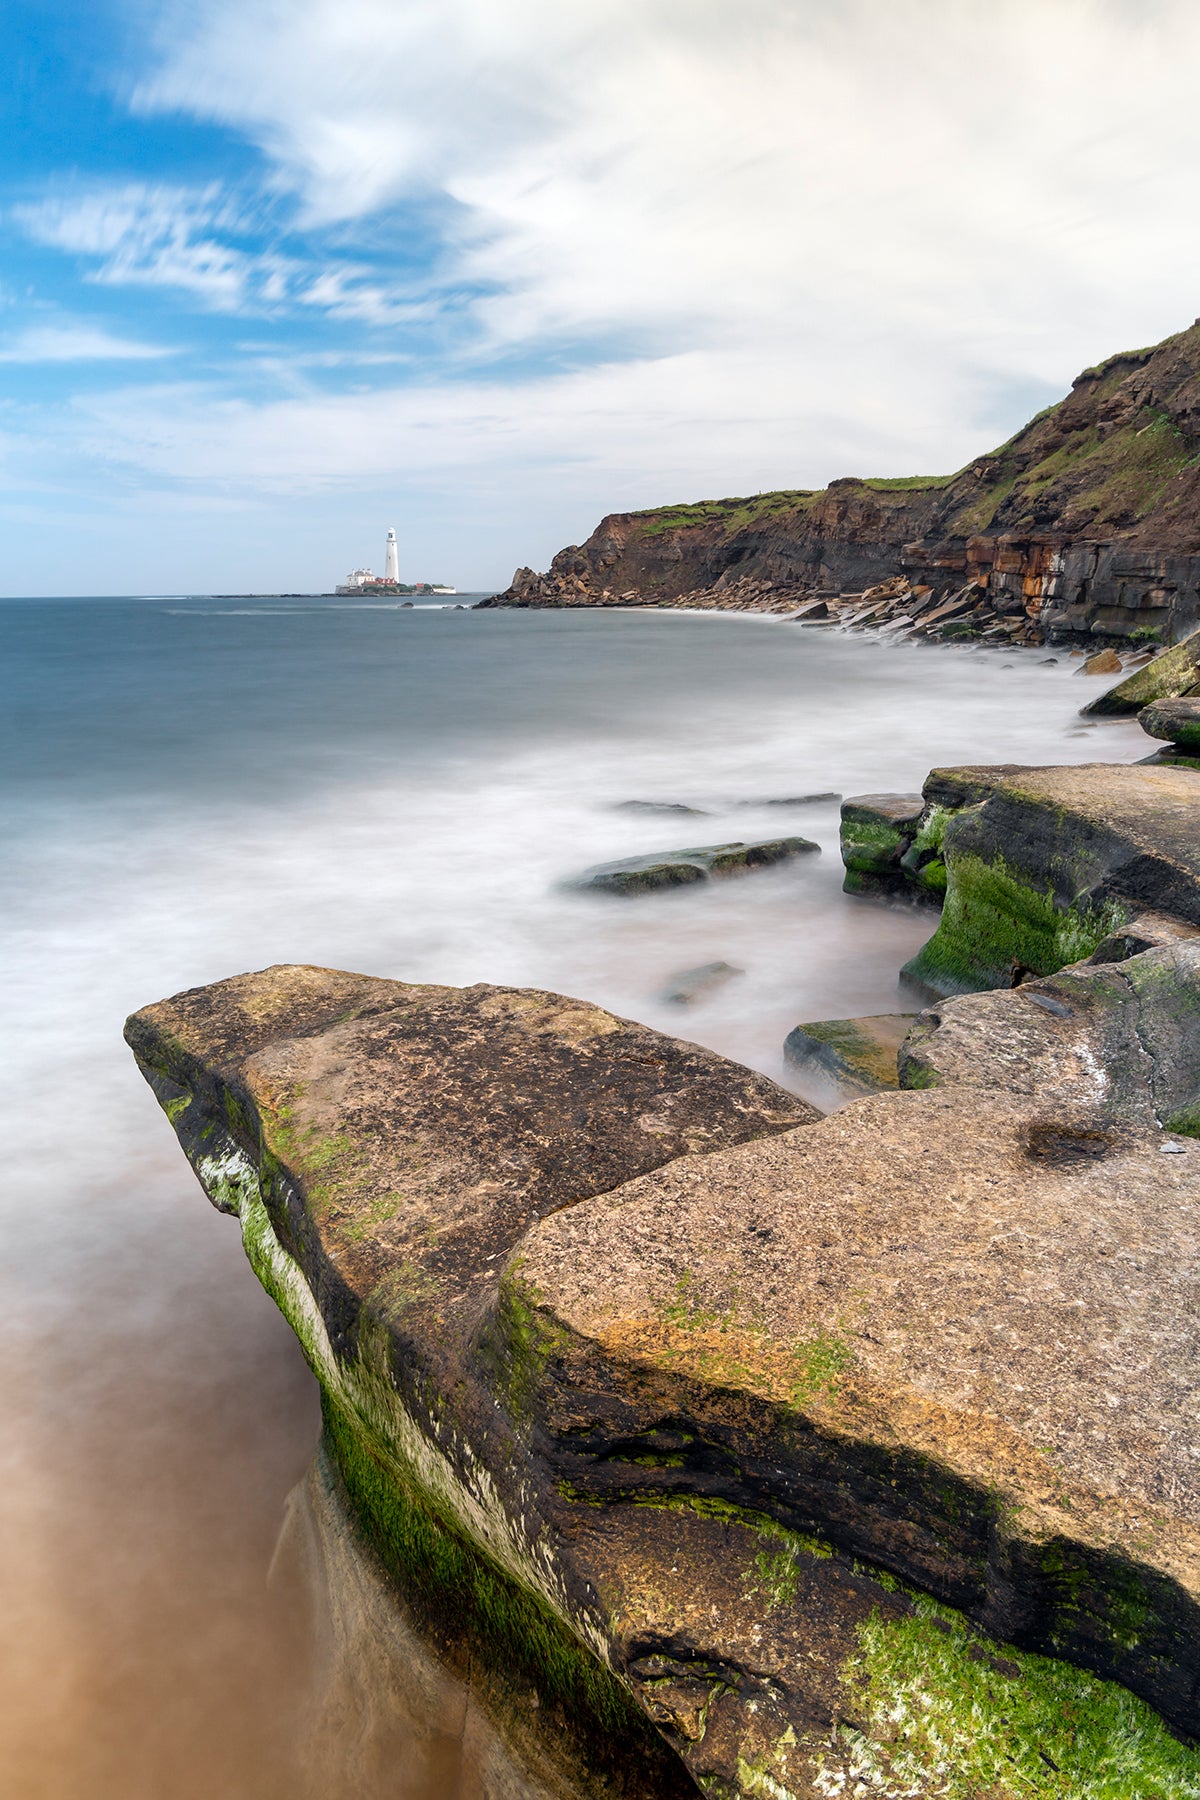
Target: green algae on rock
pixel 678 868
pixel 876 832
pixel 1168 676
pixel 1043 864
pixel 1178 721
pixel 661 1388
pixel 857 1055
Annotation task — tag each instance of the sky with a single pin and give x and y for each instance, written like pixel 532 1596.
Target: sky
pixel 276 275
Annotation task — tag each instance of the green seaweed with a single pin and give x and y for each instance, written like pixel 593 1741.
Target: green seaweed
pixel 946 1711
pixel 994 921
pixel 458 1586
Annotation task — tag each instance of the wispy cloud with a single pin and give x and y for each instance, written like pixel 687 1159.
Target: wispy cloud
pixel 146 235
pixel 76 343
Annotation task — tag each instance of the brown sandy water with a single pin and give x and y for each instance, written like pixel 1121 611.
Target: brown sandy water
pixel 190 789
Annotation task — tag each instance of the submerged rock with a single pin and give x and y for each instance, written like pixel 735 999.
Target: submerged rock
pixel 677 868
pixel 691 985
pixel 771 1454
pixel 1043 864
pixel 858 1055
pixel 658 808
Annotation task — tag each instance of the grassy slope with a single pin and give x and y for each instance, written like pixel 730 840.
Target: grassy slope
pixel 1100 463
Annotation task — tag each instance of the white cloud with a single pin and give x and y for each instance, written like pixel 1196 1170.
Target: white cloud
pixel 177 237
pixel 746 246
pixel 75 343
pixel 1008 182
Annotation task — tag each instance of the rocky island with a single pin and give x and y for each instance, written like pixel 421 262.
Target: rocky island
pixel 1084 527
pixel 750 1451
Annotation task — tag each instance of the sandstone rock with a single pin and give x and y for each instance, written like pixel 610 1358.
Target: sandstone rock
pixel 876 831
pixel 1176 720
pixel 1171 674
pixel 792 1442
pixel 1043 864
pixel 1104 662
pixel 946 1334
pixel 677 868
pixel 859 1056
pixel 385 1147
pixel 1118 1040
pixel 691 985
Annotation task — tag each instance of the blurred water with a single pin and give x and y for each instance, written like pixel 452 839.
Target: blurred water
pixel 195 787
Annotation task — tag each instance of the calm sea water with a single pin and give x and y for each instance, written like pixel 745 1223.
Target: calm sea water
pixel 195 787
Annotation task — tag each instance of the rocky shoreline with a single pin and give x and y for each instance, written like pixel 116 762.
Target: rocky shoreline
pixel 749 1451
pixel 1083 529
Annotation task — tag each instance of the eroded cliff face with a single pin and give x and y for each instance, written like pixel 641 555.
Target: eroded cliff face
pixel 1086 522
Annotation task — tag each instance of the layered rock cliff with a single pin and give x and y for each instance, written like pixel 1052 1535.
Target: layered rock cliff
pixel 1086 522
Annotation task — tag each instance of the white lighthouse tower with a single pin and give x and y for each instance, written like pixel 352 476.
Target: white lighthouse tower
pixel 391 568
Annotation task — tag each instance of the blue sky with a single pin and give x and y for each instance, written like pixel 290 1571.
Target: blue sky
pixel 280 273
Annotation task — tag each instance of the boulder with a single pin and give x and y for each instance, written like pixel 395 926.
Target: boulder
pixel 859 1056
pixel 678 868
pixel 768 1454
pixel 1172 673
pixel 1104 662
pixel 876 831
pixel 1178 721
pixel 1043 864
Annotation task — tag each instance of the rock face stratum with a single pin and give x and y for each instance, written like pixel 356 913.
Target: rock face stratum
pixel 1086 523
pixel 777 1454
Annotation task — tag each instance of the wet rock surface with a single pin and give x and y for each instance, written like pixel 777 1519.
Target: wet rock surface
pixel 859 1056
pixel 770 1452
pixel 680 868
pixel 876 832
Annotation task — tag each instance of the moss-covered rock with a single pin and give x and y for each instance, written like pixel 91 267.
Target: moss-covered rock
pixel 1169 675
pixel 1178 721
pixel 1043 864
pixel 876 832
pixel 633 875
pixel 858 1056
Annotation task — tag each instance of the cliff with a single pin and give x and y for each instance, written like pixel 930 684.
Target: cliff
pixel 1086 522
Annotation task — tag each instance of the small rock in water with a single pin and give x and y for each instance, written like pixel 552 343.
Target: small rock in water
pixel 1105 662
pixel 676 868
pixel 792 800
pixel 691 985
pixel 659 807
pixel 1047 660
pixel 859 1056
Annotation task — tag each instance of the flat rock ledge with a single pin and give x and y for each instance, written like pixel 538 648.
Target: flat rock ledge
pixel 775 1455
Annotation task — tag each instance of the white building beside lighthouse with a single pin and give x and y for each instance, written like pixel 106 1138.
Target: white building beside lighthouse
pixel 391 568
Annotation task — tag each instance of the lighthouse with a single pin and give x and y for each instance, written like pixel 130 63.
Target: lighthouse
pixel 391 568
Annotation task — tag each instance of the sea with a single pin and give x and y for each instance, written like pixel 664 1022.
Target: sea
pixel 192 787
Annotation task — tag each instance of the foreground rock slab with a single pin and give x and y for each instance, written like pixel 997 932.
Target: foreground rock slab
pixel 774 1455
pixel 680 868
